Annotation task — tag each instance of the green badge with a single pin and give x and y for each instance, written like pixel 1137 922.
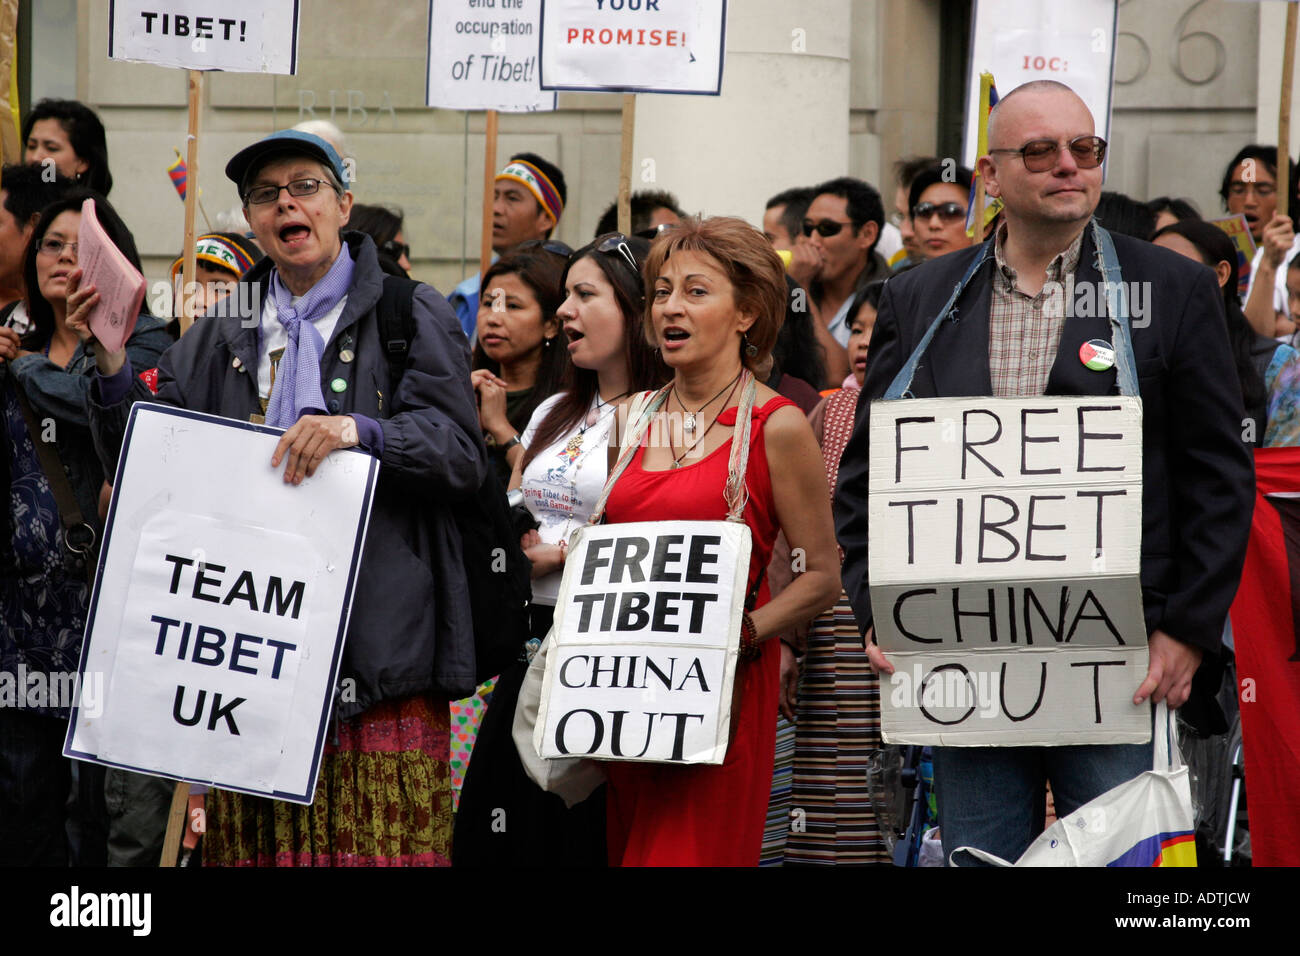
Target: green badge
pixel 339 385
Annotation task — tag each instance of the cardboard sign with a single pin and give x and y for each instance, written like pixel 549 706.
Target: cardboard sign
pixel 1238 231
pixel 1023 40
pixel 1005 552
pixel 485 59
pixel 239 36
pixel 120 286
pixel 644 646
pixel 221 605
pixel 633 46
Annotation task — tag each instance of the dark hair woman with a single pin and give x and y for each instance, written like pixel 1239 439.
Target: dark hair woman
pixel 518 360
pixel 51 521
pixel 70 134
pixel 1269 370
pixel 561 474
pixel 384 225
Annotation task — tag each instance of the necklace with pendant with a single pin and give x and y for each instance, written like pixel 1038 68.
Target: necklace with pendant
pixel 688 422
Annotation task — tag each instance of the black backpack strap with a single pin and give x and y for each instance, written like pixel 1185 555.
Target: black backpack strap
pixel 396 323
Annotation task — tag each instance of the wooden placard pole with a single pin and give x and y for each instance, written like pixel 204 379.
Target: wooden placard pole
pixel 1284 114
pixel 175 819
pixel 489 187
pixel 191 200
pixel 625 167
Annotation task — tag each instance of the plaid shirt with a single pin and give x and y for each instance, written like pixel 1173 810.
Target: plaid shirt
pixel 1024 330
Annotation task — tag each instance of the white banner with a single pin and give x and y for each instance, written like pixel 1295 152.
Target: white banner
pixel 218 617
pixel 1005 555
pixel 239 36
pixel 1022 40
pixel 644 644
pixel 485 59
pixel 633 46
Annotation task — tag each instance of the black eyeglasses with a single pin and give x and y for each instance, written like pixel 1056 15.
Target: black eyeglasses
pixel 395 250
pixel 546 245
pixel 617 243
pixel 947 211
pixel 299 188
pixel 826 228
pixel 1040 155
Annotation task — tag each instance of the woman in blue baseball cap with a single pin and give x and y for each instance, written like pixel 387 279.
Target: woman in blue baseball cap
pixel 314 356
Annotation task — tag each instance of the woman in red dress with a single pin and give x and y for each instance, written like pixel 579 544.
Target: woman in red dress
pixel 715 300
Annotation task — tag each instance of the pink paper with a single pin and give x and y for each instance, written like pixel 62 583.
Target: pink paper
pixel 120 286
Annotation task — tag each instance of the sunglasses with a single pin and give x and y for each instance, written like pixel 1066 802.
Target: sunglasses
pixel 826 228
pixel 654 231
pixel 1040 155
pixel 546 245
pixel 947 211
pixel 617 245
pixel 395 250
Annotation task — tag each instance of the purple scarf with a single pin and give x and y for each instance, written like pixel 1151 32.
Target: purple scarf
pixel 297 387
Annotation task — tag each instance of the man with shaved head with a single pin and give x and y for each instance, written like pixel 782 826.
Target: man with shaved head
pixel 1011 333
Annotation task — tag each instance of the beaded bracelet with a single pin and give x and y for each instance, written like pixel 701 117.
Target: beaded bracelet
pixel 750 647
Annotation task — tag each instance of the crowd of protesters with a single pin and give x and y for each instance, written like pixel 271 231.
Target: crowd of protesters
pixel 520 381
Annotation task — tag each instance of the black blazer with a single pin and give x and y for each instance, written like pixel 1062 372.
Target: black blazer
pixel 1198 475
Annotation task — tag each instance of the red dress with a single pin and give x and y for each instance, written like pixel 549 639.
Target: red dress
pixel 663 815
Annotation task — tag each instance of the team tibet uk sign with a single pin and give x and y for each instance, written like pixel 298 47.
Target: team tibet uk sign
pixel 484 56
pixel 633 46
pixel 643 651
pixel 1005 550
pixel 239 36
pixel 221 605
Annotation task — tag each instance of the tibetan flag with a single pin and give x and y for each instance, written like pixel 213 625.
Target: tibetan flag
pixel 179 174
pixel 1164 849
pixel 1266 638
pixel 988 100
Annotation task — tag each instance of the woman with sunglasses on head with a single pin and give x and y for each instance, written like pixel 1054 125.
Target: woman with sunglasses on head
pixel 938 201
pixel 561 474
pixel 716 292
pixel 519 360
pixel 51 523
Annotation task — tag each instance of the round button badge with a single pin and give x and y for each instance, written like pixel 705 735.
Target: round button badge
pixel 1097 354
pixel 339 385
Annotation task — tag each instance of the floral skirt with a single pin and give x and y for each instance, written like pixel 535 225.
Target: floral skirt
pixel 383 799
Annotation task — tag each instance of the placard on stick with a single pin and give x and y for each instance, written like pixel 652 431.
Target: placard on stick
pixel 633 46
pixel 242 36
pixel 1005 553
pixel 485 58
pixel 645 642
pixel 217 620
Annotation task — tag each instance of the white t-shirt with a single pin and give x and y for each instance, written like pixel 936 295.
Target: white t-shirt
pixel 562 484
pixel 275 337
pixel 1279 286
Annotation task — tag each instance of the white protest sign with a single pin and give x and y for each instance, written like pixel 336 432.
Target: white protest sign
pixel 645 642
pixel 221 605
pixel 240 36
pixel 633 46
pixel 1023 40
pixel 485 58
pixel 1005 554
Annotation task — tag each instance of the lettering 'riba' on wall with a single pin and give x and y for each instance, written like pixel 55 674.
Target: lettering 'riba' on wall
pixel 1005 552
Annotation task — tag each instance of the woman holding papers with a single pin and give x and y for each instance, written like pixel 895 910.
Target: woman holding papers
pixel 51 523
pixel 717 295
pixel 383 795
pixel 561 474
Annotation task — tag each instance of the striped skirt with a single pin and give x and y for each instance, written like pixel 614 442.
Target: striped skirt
pixel 383 798
pixel 831 821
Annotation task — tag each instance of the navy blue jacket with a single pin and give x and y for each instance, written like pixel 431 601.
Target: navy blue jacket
pixel 1198 479
pixel 411 629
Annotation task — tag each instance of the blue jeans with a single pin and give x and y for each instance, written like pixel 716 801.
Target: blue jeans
pixel 994 798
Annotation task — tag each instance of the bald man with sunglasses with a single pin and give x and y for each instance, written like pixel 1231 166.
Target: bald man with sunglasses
pixel 1008 336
